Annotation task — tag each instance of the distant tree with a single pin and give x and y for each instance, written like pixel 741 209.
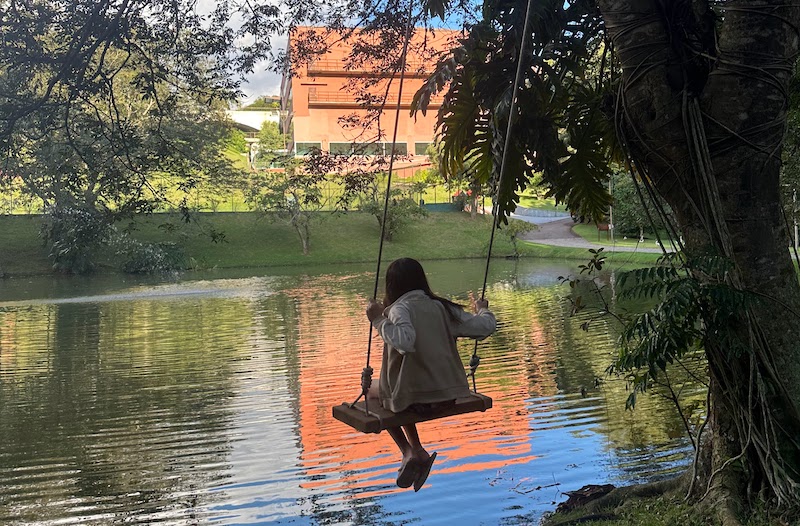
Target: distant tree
pixel 235 141
pixel 630 211
pixel 364 190
pixel 99 159
pixel 270 139
pixel 459 177
pixel 513 230
pixel 293 195
pixel 402 209
pixel 99 100
pixel 264 102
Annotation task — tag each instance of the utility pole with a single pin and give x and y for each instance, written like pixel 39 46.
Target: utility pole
pixel 611 210
pixel 794 216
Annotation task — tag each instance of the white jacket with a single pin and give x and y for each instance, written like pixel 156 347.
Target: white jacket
pixel 420 359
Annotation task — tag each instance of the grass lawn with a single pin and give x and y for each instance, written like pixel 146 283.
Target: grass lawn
pixel 252 240
pixel 21 249
pixel 618 259
pixel 589 232
pixel 540 203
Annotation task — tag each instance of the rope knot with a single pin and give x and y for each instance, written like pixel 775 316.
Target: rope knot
pixel 366 379
pixel 474 362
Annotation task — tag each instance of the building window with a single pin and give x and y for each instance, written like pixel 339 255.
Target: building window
pixel 366 148
pixel 380 148
pixel 370 148
pixel 340 148
pixel 304 148
pixel 421 148
pixel 400 148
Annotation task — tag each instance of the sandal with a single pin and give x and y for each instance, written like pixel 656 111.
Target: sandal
pixel 424 471
pixel 408 474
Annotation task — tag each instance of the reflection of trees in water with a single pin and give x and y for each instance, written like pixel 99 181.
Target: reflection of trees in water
pixel 540 351
pixel 133 400
pixel 581 357
pixel 127 388
pixel 366 512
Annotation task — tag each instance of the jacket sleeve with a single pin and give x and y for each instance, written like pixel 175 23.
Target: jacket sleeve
pixel 478 326
pixel 396 329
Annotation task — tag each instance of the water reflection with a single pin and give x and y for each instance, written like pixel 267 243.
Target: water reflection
pixel 209 400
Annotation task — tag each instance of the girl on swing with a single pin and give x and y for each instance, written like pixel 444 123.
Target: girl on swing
pixel 421 370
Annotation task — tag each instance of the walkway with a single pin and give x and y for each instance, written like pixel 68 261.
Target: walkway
pixel 558 232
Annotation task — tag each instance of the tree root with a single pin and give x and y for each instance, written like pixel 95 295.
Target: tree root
pixel 603 507
pixel 620 495
pixel 724 506
pixel 720 503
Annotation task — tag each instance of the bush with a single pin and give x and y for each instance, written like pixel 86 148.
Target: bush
pixel 402 210
pixel 75 236
pixel 135 257
pixel 513 230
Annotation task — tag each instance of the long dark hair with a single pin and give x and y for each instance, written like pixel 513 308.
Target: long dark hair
pixel 406 274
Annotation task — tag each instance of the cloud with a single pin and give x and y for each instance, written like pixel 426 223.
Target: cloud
pixel 261 82
pixel 264 81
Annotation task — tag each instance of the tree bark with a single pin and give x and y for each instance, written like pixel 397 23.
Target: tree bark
pixel 709 136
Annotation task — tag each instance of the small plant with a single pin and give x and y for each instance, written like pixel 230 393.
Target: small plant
pixel 76 237
pixel 149 258
pixel 293 195
pixel 513 230
pixel 402 209
pixel 365 190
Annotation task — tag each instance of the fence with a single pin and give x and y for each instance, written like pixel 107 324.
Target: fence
pixel 221 198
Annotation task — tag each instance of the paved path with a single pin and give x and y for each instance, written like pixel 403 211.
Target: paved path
pixel 558 232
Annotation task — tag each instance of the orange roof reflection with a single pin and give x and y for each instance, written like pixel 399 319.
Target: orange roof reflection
pixel 331 346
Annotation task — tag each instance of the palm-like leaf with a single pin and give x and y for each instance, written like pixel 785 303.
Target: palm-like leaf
pixel 559 128
pixel 439 79
pixel 435 8
pixel 461 119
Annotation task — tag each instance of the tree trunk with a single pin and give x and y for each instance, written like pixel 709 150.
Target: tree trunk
pixel 305 237
pixel 709 134
pixel 304 233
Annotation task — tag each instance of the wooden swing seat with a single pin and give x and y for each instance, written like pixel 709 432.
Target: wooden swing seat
pixel 356 418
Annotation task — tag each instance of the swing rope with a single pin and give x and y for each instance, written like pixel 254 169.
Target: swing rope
pixel 475 360
pixel 366 373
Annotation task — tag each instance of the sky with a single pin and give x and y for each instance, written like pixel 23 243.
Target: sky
pixel 263 81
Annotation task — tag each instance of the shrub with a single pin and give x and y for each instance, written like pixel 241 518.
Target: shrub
pixel 75 236
pixel 148 258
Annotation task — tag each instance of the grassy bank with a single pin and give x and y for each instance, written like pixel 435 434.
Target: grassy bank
pixel 251 240
pixel 590 233
pixel 663 510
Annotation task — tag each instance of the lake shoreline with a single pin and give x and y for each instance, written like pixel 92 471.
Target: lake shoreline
pixel 250 240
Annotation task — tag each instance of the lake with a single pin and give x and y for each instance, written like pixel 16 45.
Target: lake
pixel 206 399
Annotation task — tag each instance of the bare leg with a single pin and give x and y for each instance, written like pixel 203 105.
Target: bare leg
pixel 409 467
pixel 402 443
pixel 417 451
pixel 417 462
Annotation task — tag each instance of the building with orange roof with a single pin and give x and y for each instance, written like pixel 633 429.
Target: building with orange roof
pixel 342 106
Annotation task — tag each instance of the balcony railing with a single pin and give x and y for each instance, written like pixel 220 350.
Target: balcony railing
pixel 339 98
pixel 332 67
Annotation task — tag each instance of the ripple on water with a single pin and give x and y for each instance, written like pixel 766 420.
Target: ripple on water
pixel 209 401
